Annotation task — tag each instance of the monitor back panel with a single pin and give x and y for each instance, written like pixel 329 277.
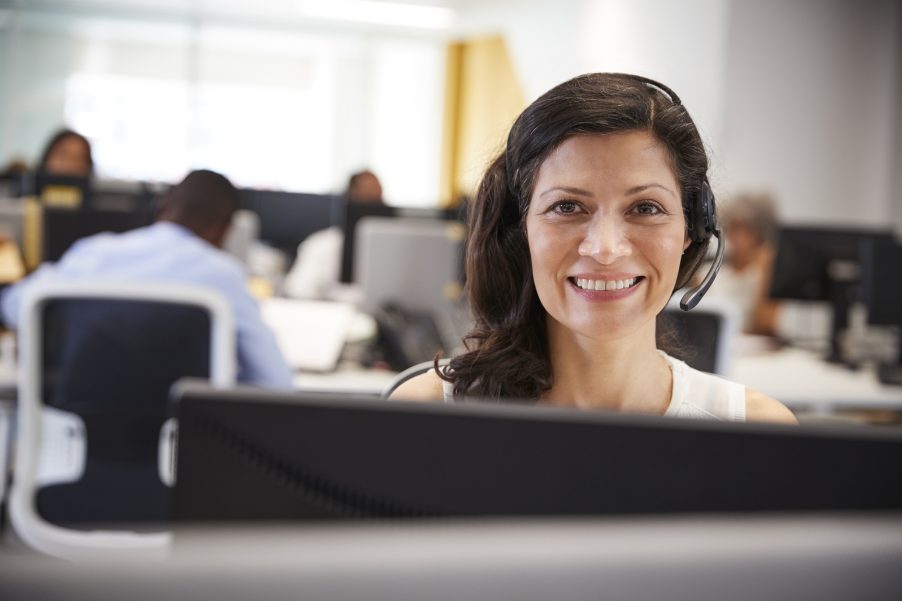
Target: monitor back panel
pixel 249 455
pixel 61 228
pixel 810 260
pixel 287 218
pixel 884 291
pixel 413 263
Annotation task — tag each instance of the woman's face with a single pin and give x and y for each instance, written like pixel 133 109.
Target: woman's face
pixel 69 156
pixel 606 233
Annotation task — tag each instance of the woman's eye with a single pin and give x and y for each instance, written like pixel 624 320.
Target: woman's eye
pixel 565 207
pixel 648 208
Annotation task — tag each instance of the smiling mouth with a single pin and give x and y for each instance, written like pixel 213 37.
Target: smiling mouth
pixel 605 285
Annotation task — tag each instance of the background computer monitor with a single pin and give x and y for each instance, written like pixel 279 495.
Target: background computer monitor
pixel 884 286
pixel 884 301
pixel 349 214
pixel 253 455
pixel 287 218
pixel 125 196
pixel 824 264
pixel 60 228
pixel 410 277
pixel 11 184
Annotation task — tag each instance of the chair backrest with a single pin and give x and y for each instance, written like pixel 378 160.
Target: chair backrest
pixel 703 337
pixel 410 373
pixel 97 361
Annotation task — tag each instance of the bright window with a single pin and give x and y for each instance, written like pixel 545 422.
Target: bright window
pixel 270 110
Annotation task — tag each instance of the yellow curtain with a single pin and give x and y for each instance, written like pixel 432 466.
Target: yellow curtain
pixel 482 98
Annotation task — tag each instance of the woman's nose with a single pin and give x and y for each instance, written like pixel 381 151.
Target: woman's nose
pixel 606 241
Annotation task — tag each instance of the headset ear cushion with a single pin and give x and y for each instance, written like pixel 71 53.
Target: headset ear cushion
pixel 704 215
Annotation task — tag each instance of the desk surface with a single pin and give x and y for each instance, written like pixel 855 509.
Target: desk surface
pixel 347 378
pixel 802 380
pixel 796 377
pixel 744 557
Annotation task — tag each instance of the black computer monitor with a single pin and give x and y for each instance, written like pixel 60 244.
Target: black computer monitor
pixel 824 264
pixel 61 228
pixel 125 197
pixel 884 300
pixel 287 218
pixel 252 455
pixel 884 288
pixel 349 215
pixel 12 184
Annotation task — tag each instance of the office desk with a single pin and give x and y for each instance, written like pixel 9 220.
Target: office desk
pixel 741 558
pixel 796 377
pixel 801 380
pixel 347 378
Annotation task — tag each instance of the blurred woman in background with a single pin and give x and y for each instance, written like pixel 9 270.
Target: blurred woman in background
pixel 67 153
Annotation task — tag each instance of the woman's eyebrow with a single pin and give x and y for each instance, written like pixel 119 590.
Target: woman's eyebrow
pixel 644 187
pixel 567 189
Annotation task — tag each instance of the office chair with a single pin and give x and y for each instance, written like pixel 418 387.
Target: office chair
pixel 704 337
pixel 94 446
pixel 408 374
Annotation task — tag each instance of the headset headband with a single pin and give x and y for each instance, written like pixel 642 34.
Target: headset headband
pixel 671 95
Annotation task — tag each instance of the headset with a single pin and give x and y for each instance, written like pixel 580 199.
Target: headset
pixel 702 217
pixel 702 224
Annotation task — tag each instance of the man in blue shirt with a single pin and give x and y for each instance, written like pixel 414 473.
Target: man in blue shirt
pixel 183 246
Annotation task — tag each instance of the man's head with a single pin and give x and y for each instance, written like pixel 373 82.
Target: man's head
pixel 203 202
pixel 364 186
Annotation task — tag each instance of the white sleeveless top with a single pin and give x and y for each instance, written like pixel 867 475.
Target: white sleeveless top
pixel 696 394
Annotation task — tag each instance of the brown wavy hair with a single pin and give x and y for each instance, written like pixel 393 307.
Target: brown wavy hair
pixel 507 349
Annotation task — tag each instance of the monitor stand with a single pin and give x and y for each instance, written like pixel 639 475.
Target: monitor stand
pixel 840 295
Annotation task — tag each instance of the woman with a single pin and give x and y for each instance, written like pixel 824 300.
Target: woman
pixel 67 153
pixel 749 223
pixel 578 237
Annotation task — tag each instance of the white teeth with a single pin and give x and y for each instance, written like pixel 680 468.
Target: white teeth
pixel 587 284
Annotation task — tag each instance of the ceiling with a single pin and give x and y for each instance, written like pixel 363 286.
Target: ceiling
pixel 410 14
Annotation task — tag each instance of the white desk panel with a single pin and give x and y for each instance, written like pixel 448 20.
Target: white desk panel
pixel 800 379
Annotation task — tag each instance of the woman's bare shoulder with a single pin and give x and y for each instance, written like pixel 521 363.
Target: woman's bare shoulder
pixel 424 387
pixel 761 408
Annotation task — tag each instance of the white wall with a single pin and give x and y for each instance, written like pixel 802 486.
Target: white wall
pixel 895 198
pixel 812 107
pixel 682 44
pixel 799 97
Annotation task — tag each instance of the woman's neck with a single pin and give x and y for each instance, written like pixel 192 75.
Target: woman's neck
pixel 627 374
